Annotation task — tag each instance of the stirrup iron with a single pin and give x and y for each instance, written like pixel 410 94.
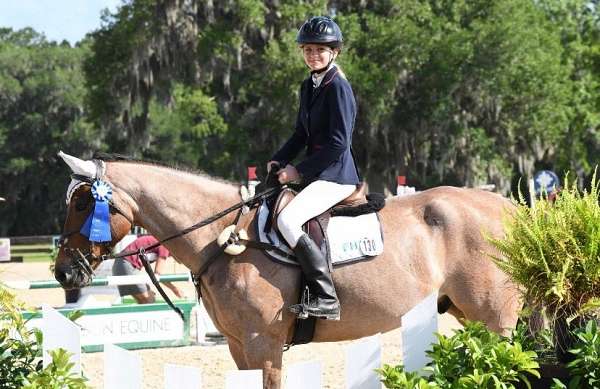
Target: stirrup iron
pixel 301 309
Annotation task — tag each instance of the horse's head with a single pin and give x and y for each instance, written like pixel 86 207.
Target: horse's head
pixel 79 251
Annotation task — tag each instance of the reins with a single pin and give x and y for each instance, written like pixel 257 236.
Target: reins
pixel 141 252
pixel 251 201
pixel 196 277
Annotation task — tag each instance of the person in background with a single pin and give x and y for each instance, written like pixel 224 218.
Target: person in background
pixel 132 265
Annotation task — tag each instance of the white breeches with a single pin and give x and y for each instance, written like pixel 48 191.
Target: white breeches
pixel 312 201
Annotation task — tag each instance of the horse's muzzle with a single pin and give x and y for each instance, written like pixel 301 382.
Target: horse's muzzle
pixel 64 275
pixel 70 277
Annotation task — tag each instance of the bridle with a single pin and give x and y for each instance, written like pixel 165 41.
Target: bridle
pixel 81 260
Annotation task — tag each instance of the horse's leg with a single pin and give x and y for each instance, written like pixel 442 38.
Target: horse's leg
pixel 237 353
pixel 497 307
pixel 457 313
pixel 445 305
pixel 266 352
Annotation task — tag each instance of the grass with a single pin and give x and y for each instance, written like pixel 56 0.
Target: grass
pixel 32 252
pixel 37 258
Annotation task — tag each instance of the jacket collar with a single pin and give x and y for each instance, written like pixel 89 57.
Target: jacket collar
pixel 329 76
pixel 317 78
pixel 327 79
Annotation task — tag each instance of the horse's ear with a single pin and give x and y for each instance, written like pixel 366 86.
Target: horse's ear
pixel 79 166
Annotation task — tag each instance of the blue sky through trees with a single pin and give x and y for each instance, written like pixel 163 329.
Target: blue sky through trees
pixel 56 19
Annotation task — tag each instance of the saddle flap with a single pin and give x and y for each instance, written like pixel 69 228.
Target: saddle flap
pixel 314 227
pixel 284 198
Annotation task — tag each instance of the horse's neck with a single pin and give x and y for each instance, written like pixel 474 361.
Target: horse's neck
pixel 165 201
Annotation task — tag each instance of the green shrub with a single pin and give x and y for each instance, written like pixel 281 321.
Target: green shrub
pixel 57 375
pixel 473 357
pixel 19 347
pixel 394 377
pixel 553 251
pixel 585 369
pixel 540 341
pixel 20 353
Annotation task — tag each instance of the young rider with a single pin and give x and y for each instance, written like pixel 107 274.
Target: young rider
pixel 324 128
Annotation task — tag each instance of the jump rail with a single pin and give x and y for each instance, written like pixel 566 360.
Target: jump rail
pixel 108 281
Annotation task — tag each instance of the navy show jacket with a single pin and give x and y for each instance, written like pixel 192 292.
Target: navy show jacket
pixel 324 126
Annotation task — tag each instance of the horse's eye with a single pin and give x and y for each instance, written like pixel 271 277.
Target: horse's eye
pixel 82 203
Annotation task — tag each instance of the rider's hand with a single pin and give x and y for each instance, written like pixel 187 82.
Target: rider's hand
pixel 288 174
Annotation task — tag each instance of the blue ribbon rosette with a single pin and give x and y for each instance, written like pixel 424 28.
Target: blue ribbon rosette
pixel 97 226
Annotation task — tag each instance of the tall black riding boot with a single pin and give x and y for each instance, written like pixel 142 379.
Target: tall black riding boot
pixel 322 301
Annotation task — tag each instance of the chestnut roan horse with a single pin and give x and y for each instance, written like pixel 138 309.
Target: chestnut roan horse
pixel 434 241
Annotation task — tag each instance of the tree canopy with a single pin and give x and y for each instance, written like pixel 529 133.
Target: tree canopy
pixel 463 92
pixel 41 111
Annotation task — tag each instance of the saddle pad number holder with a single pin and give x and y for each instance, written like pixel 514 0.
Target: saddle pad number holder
pixel 354 237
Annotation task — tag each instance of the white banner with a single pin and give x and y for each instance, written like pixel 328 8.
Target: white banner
pixel 122 368
pixel 304 375
pixel 129 327
pixel 60 332
pixel 4 249
pixel 419 326
pixel 362 358
pixel 182 377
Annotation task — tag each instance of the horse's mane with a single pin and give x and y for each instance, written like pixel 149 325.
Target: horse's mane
pixel 115 157
pixel 111 157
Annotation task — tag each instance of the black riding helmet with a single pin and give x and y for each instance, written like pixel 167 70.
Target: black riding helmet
pixel 320 30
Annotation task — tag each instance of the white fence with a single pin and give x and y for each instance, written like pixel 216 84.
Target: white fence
pixel 123 368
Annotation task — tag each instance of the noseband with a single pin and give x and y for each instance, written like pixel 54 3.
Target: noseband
pixel 80 260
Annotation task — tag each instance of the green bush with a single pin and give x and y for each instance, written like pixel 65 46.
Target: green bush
pixel 553 251
pixel 585 369
pixel 540 341
pixel 20 353
pixel 19 347
pixel 394 377
pixel 57 375
pixel 473 357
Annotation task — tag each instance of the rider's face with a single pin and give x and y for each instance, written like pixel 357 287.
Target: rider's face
pixel 317 56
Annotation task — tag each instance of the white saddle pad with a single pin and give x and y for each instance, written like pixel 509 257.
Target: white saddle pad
pixel 348 239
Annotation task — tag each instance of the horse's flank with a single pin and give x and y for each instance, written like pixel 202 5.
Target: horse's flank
pixel 433 242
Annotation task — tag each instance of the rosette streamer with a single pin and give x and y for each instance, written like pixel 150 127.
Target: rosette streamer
pixel 97 226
